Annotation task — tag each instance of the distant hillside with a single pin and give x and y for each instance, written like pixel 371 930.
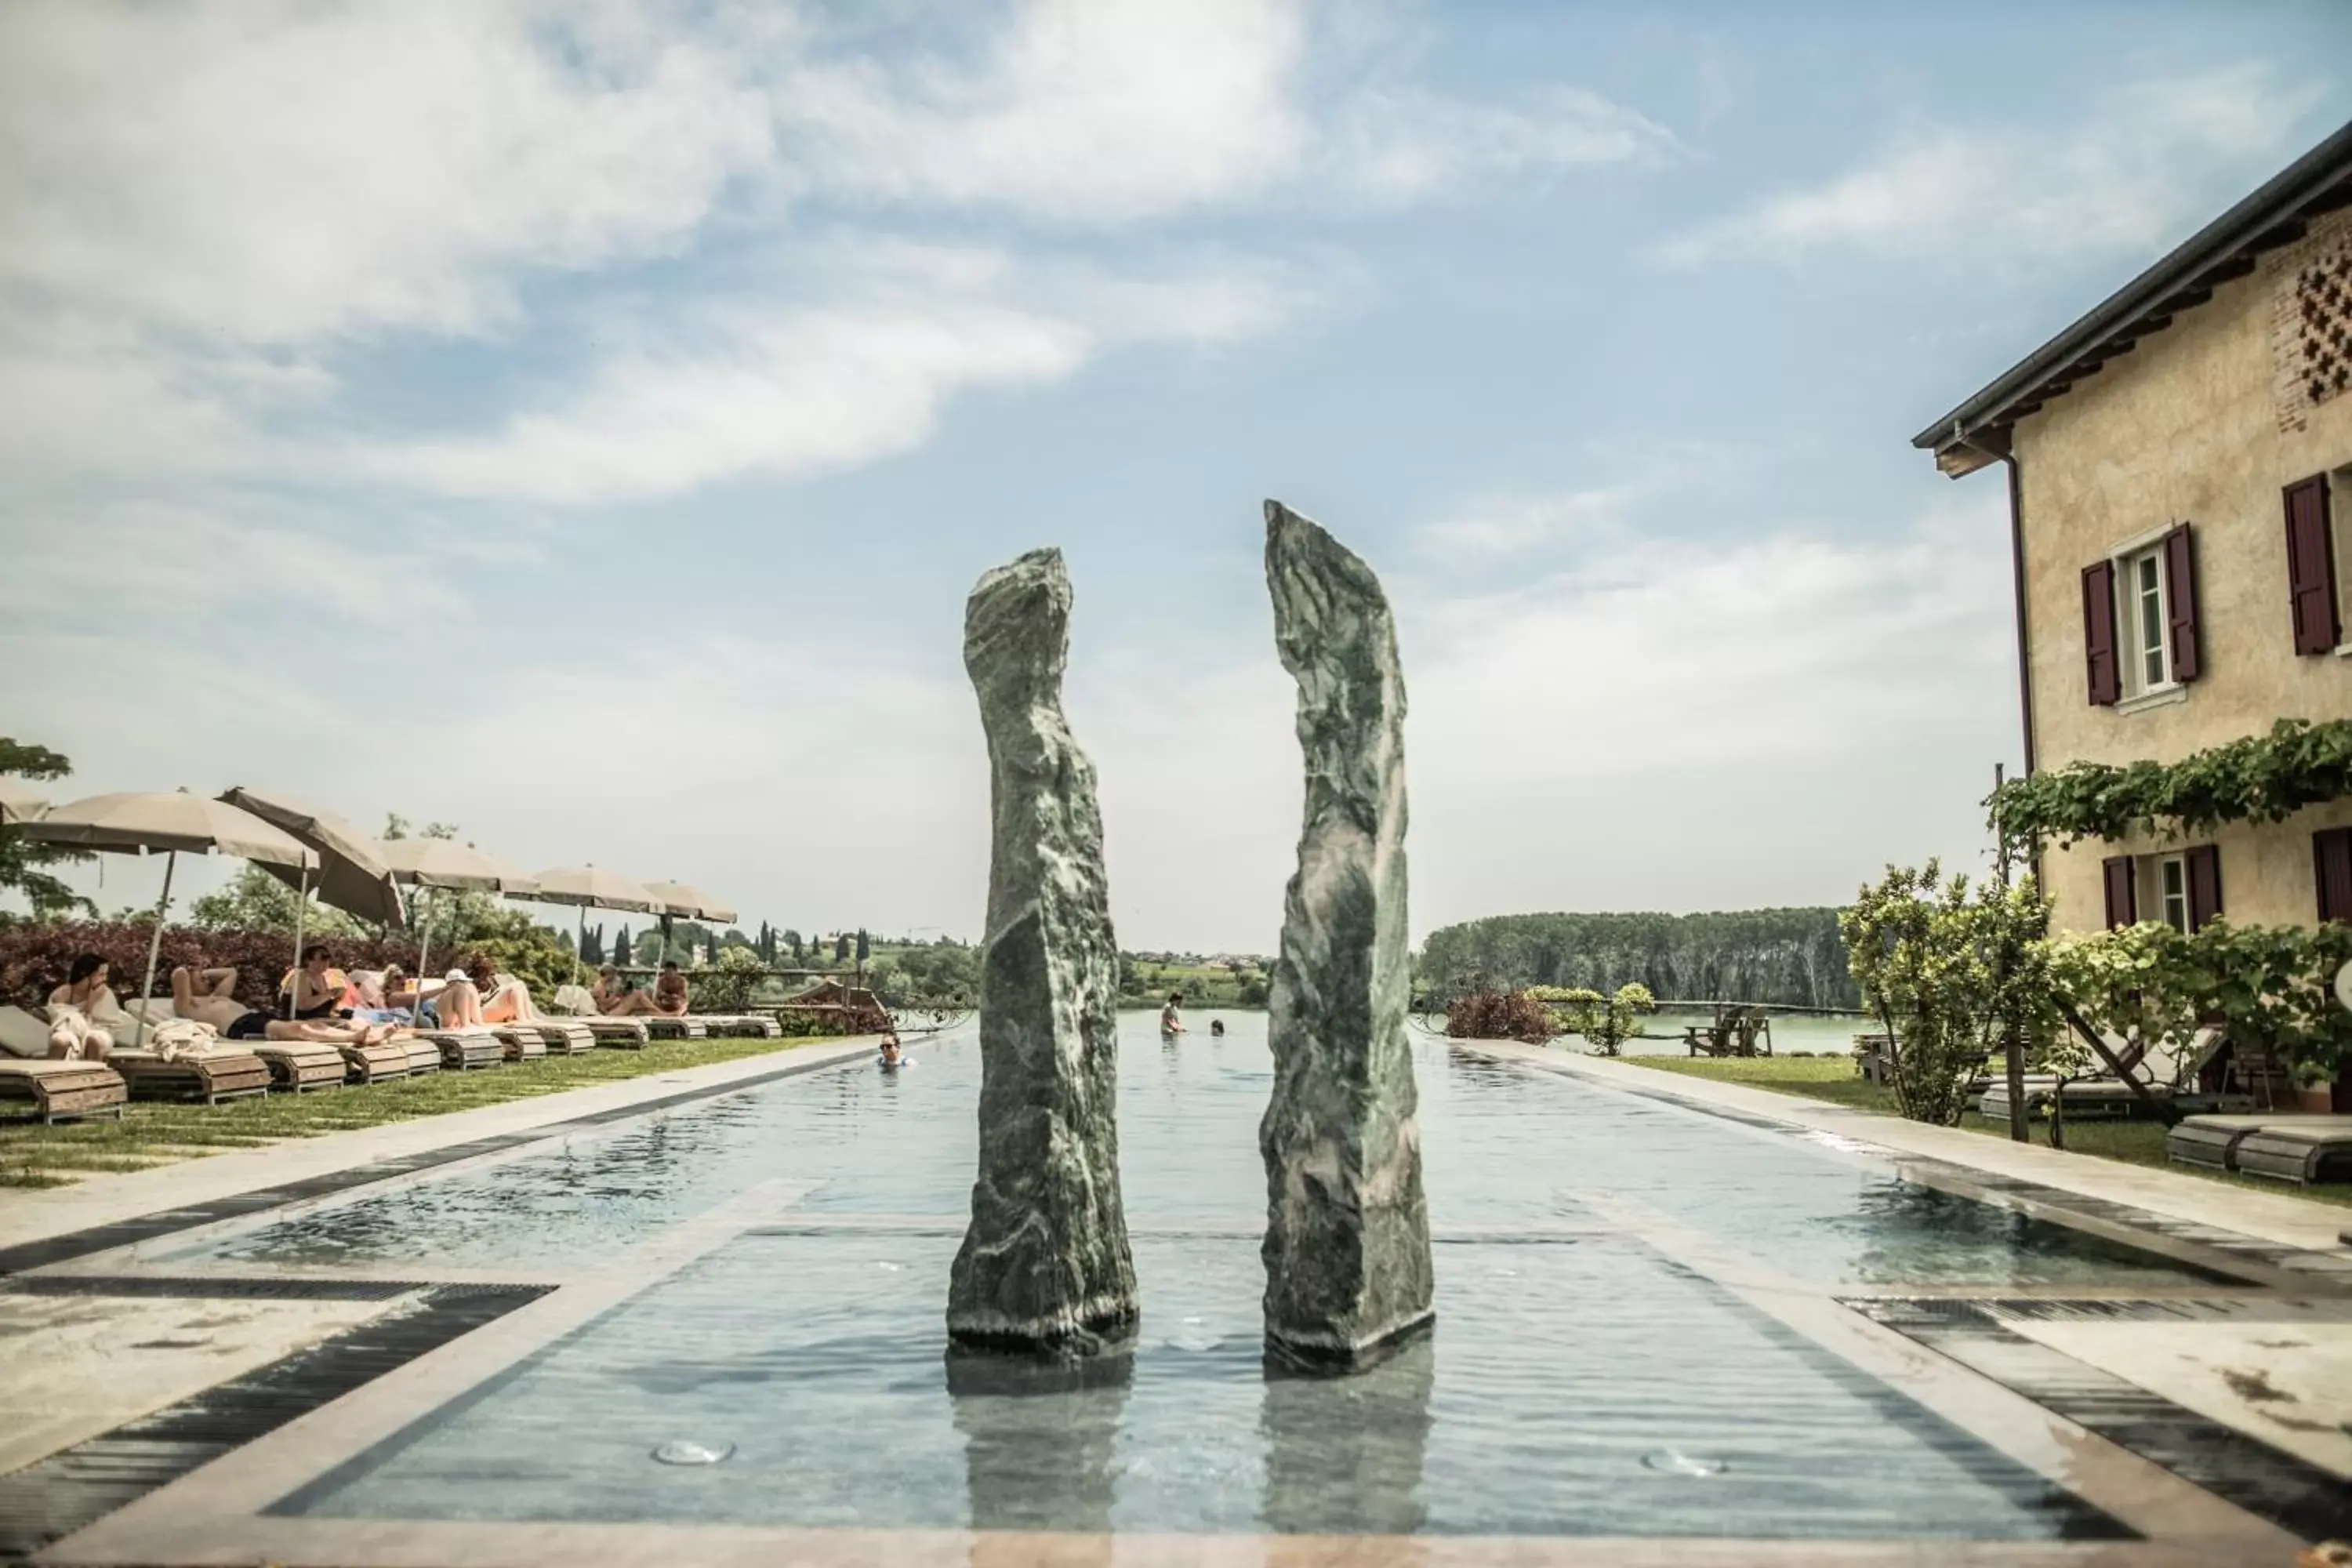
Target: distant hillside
pixel 1790 956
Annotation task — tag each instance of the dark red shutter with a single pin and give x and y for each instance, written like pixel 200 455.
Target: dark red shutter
pixel 2311 567
pixel 2123 898
pixel 2099 634
pixel 2331 853
pixel 2181 594
pixel 2204 867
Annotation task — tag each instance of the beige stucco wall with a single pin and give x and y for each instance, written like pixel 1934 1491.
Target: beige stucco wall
pixel 2187 428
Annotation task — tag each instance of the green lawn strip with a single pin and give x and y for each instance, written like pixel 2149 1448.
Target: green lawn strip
pixel 1832 1079
pixel 32 1155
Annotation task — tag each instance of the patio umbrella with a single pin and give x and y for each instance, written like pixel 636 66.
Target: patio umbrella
pixel 351 876
pixel 680 898
pixel 17 803
pixel 592 887
pixel 143 823
pixel 445 863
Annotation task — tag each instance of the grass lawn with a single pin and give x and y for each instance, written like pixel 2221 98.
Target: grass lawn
pixel 155 1132
pixel 1833 1078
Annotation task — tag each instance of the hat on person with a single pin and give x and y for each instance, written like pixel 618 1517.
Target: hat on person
pixel 455 975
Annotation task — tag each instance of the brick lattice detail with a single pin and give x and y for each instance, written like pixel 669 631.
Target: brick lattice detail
pixel 2311 320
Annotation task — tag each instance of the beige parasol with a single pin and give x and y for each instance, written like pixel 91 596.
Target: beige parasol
pixel 353 875
pixel 680 898
pixel 142 824
pixel 592 887
pixel 445 863
pixel 17 803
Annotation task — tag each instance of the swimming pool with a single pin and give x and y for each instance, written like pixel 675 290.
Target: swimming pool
pixel 1582 1378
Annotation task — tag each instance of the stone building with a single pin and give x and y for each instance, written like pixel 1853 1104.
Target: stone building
pixel 2179 466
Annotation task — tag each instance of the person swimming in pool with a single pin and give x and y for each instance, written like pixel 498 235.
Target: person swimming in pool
pixel 1216 1029
pixel 1172 1022
pixel 893 1054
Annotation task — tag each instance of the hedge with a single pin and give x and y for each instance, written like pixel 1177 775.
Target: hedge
pixel 35 956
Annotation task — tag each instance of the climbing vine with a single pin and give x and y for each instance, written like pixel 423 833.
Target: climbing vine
pixel 2259 778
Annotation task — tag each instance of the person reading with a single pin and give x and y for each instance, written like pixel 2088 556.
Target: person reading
pixel 618 998
pixel 317 990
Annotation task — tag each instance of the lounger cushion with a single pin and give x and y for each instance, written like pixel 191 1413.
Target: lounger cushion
pixel 23 1034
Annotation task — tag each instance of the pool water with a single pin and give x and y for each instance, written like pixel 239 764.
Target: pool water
pixel 1578 1381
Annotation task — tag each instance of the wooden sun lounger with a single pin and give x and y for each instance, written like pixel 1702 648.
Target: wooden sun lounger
pixel 297 1067
pixel 625 1034
pixel 55 1088
pixel 2211 1141
pixel 566 1037
pixel 212 1076
pixel 673 1026
pixel 742 1026
pixel 2306 1150
pixel 523 1042
pixel 383 1063
pixel 465 1048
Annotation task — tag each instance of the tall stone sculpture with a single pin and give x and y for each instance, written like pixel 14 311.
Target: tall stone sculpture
pixel 1347 1237
pixel 1045 1264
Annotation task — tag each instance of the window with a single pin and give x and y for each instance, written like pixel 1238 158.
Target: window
pixel 2331 855
pixel 2140 634
pixel 2143 620
pixel 2315 596
pixel 2172 891
pixel 2180 888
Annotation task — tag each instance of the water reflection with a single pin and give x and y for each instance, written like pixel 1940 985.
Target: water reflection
pixel 1344 1455
pixel 1041 1437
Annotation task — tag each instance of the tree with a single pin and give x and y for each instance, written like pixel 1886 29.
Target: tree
pixel 21 859
pixel 864 948
pixel 623 949
pixel 256 900
pixel 591 946
pixel 841 948
pixel 792 940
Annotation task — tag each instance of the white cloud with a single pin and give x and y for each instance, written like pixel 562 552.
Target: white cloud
pixel 2126 177
pixel 756 385
pixel 280 172
pixel 1508 525
pixel 1409 145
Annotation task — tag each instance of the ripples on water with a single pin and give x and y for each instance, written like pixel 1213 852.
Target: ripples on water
pixel 1575 1384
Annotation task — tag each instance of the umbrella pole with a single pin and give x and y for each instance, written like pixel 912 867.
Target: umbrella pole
pixel 580 939
pixel 154 949
pixel 302 902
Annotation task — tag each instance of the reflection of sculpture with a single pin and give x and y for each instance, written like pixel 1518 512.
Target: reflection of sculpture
pixel 1347 1238
pixel 1344 1455
pixel 1040 1440
pixel 1045 1262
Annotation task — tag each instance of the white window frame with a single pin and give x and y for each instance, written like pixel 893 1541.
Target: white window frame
pixel 2136 692
pixel 2167 876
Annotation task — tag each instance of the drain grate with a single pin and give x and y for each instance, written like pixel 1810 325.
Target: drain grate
pixel 52 1497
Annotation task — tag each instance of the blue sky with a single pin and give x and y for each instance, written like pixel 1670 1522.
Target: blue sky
pixel 583 423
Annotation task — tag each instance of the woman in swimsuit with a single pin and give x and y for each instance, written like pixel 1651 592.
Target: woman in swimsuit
pixel 472 1000
pixel 1172 1022
pixel 215 1004
pixel 316 994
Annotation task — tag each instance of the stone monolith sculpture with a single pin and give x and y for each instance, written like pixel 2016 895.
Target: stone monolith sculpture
pixel 1045 1264
pixel 1347 1237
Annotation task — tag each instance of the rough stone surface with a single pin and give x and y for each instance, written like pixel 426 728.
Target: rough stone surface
pixel 1045 1264
pixel 1347 1237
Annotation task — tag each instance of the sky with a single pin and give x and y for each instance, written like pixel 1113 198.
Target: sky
pixel 583 423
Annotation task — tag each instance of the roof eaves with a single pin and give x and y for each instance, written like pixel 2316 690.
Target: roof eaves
pixel 2275 215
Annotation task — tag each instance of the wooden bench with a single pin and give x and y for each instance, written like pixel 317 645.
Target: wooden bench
pixel 63 1089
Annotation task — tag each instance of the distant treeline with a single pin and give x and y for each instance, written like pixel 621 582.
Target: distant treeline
pixel 1793 957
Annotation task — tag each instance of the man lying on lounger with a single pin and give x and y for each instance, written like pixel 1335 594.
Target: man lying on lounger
pixel 215 1004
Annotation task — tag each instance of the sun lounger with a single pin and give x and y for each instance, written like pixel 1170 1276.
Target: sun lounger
pixel 624 1034
pixel 2211 1141
pixel 566 1037
pixel 523 1042
pixel 381 1063
pixel 210 1077
pixel 297 1067
pixel 465 1048
pixel 2306 1150
pixel 741 1027
pixel 55 1088
pixel 2089 1099
pixel 673 1026
pixel 424 1055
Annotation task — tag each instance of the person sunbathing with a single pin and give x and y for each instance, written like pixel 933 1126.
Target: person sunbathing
pixel 84 1011
pixel 317 990
pixel 670 991
pixel 618 998
pixel 475 1000
pixel 210 997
